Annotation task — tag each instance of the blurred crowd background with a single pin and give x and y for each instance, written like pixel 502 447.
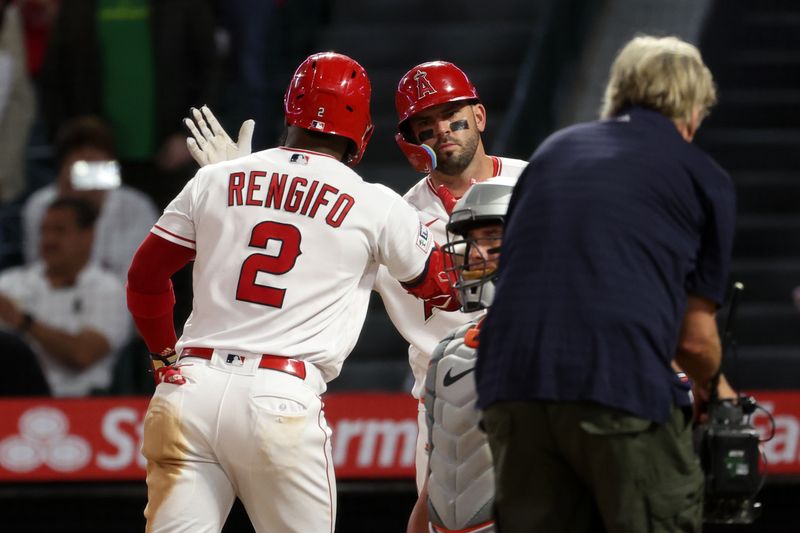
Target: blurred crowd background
pixel 112 79
pixel 100 80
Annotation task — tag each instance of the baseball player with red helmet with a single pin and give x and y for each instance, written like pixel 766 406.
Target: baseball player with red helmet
pixel 440 121
pixel 286 245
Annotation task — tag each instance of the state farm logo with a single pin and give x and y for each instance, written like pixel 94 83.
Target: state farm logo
pixel 784 447
pixel 381 443
pixel 43 439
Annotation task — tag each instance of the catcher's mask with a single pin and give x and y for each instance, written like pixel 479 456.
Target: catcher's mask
pixel 330 93
pixel 475 263
pixel 424 86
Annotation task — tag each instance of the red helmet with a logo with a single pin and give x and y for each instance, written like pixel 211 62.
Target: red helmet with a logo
pixel 424 86
pixel 330 93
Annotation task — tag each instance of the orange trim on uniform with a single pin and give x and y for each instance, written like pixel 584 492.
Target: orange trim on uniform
pixel 472 336
pixel 438 529
pixel 272 362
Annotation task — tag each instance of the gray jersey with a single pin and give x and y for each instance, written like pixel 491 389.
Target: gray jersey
pixel 460 476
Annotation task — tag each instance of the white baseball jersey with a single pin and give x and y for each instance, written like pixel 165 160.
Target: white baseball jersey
pixel 422 325
pixel 288 244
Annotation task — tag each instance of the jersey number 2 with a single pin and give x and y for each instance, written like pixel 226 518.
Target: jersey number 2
pixel 250 291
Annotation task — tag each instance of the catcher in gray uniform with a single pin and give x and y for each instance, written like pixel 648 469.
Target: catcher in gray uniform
pixel 460 485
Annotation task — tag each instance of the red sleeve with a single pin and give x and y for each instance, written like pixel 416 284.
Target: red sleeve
pixel 435 285
pixel 150 295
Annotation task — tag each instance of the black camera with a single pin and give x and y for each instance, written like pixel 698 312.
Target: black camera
pixel 728 446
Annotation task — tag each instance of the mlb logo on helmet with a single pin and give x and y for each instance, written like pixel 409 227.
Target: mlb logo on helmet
pixel 424 86
pixel 317 125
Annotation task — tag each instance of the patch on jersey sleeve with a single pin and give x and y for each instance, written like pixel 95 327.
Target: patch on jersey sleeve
pixel 424 237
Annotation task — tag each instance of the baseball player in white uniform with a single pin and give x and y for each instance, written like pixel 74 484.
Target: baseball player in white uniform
pixel 287 244
pixel 440 121
pixel 460 482
pixel 440 124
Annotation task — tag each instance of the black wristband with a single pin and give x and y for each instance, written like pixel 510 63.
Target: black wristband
pixel 27 322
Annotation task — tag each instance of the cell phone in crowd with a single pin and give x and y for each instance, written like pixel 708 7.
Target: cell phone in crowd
pixel 95 175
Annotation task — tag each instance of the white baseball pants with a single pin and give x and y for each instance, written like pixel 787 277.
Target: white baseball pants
pixel 237 430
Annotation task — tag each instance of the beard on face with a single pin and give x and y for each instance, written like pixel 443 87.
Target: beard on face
pixel 454 164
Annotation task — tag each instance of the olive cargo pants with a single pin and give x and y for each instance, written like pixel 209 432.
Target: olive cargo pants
pixel 581 467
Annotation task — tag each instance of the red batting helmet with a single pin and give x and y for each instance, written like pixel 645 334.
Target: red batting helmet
pixel 330 93
pixel 424 86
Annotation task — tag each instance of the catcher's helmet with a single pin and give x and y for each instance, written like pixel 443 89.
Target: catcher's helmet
pixel 424 86
pixel 484 203
pixel 330 93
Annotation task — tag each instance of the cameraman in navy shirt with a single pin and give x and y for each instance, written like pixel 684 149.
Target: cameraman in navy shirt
pixel 615 260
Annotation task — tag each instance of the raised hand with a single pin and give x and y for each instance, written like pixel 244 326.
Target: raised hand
pixel 209 142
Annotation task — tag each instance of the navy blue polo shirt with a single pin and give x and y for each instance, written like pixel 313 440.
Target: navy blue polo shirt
pixel 610 226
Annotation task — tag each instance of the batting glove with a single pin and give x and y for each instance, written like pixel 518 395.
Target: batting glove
pixel 164 369
pixel 210 143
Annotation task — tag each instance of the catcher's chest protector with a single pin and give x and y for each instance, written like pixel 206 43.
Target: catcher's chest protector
pixel 461 480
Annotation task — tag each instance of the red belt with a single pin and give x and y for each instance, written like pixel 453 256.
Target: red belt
pixel 273 362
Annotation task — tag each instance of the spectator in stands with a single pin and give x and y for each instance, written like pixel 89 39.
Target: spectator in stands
pixel 71 312
pixel 125 214
pixel 260 43
pixel 38 17
pixel 252 58
pixel 139 64
pixel 17 106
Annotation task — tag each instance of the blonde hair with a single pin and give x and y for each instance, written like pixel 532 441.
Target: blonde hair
pixel 665 74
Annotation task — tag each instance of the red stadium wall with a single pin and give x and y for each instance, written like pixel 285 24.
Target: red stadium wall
pixel 374 435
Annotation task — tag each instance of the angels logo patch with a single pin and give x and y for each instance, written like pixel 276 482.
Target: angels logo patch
pixel 424 86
